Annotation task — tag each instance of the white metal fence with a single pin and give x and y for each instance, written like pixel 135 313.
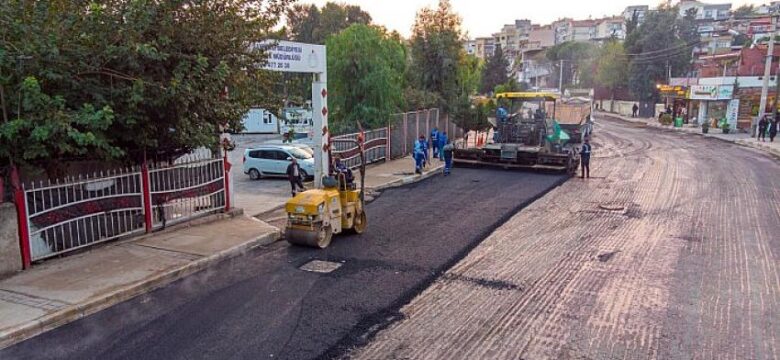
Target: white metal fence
pixel 73 213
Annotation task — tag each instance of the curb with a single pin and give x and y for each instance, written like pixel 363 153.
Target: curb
pixel 72 313
pixel 408 179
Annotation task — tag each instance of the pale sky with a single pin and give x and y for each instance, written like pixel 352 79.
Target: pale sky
pixel 485 17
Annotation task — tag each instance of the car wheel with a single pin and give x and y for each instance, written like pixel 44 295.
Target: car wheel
pixel 254 174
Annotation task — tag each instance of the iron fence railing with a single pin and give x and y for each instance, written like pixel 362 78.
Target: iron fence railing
pixel 73 213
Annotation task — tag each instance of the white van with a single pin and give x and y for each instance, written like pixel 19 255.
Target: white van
pixel 272 161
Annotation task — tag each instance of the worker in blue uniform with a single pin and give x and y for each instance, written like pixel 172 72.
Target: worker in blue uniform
pixel 420 154
pixel 443 140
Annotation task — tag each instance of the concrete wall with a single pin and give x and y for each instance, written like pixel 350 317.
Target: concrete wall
pixel 625 107
pixel 10 255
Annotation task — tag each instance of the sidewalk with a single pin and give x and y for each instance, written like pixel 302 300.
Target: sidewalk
pixel 772 148
pixel 64 290
pixel 397 173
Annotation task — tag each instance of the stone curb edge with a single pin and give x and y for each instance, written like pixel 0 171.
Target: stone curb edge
pixel 72 313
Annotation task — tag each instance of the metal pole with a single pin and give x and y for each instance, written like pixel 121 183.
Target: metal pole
pixel 560 80
pixel 767 74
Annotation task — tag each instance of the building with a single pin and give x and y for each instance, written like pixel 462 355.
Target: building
pixel 583 30
pixel 485 47
pixel 767 9
pixel 513 37
pixel 639 10
pixel 470 46
pixel 706 11
pixel 561 28
pixel 610 28
pixel 540 37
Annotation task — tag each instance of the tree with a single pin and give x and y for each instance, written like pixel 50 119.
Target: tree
pixel 660 44
pixel 126 79
pixel 312 25
pixel 495 71
pixel 632 23
pixel 366 67
pixel 573 56
pixel 612 67
pixel 436 53
pixel 309 24
pixel 744 11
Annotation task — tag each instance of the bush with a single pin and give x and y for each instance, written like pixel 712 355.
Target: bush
pixel 666 119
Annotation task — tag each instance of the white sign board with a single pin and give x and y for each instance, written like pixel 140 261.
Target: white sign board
pixel 732 113
pixel 712 92
pixel 288 56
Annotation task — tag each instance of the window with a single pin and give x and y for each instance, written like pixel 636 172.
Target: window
pixel 255 154
pixel 269 154
pixel 267 118
pixel 280 155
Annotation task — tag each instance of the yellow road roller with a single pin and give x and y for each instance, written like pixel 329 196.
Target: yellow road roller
pixel 314 216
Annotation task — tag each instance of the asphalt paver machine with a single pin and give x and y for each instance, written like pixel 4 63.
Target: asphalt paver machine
pixel 524 140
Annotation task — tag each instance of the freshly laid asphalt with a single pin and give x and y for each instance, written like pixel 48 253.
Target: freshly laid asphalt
pixel 261 305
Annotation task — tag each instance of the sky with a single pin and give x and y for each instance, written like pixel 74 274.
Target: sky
pixel 485 17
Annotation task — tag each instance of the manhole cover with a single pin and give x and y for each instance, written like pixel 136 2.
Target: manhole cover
pixel 612 207
pixel 319 266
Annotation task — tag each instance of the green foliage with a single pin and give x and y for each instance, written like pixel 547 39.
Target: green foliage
pixel 666 41
pixel 309 24
pixel 366 67
pixel 115 80
pixel 577 61
pixel 744 11
pixel 666 119
pixel 469 74
pixel 495 71
pixel 632 23
pixel 416 99
pixel 475 118
pixel 312 25
pixel 612 66
pixel 436 54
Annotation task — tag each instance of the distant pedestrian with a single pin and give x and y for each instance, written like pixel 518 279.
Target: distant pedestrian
pixel 294 175
pixel 585 158
pixel 447 151
pixel 763 125
pixel 773 128
pixel 634 110
pixel 420 149
pixel 443 140
pixel 435 142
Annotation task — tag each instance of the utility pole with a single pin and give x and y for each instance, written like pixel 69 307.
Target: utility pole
pixel 767 73
pixel 560 79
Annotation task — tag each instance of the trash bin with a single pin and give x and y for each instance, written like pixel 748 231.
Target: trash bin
pixel 678 122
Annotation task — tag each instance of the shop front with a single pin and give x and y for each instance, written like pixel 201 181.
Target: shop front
pixel 711 103
pixel 676 99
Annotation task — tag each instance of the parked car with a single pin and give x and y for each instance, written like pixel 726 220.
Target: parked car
pixel 272 161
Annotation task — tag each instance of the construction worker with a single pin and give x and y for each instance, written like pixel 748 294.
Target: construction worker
pixel 420 153
pixel 294 175
pixel 443 140
pixel 341 168
pixel 585 158
pixel 447 151
pixel 435 142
